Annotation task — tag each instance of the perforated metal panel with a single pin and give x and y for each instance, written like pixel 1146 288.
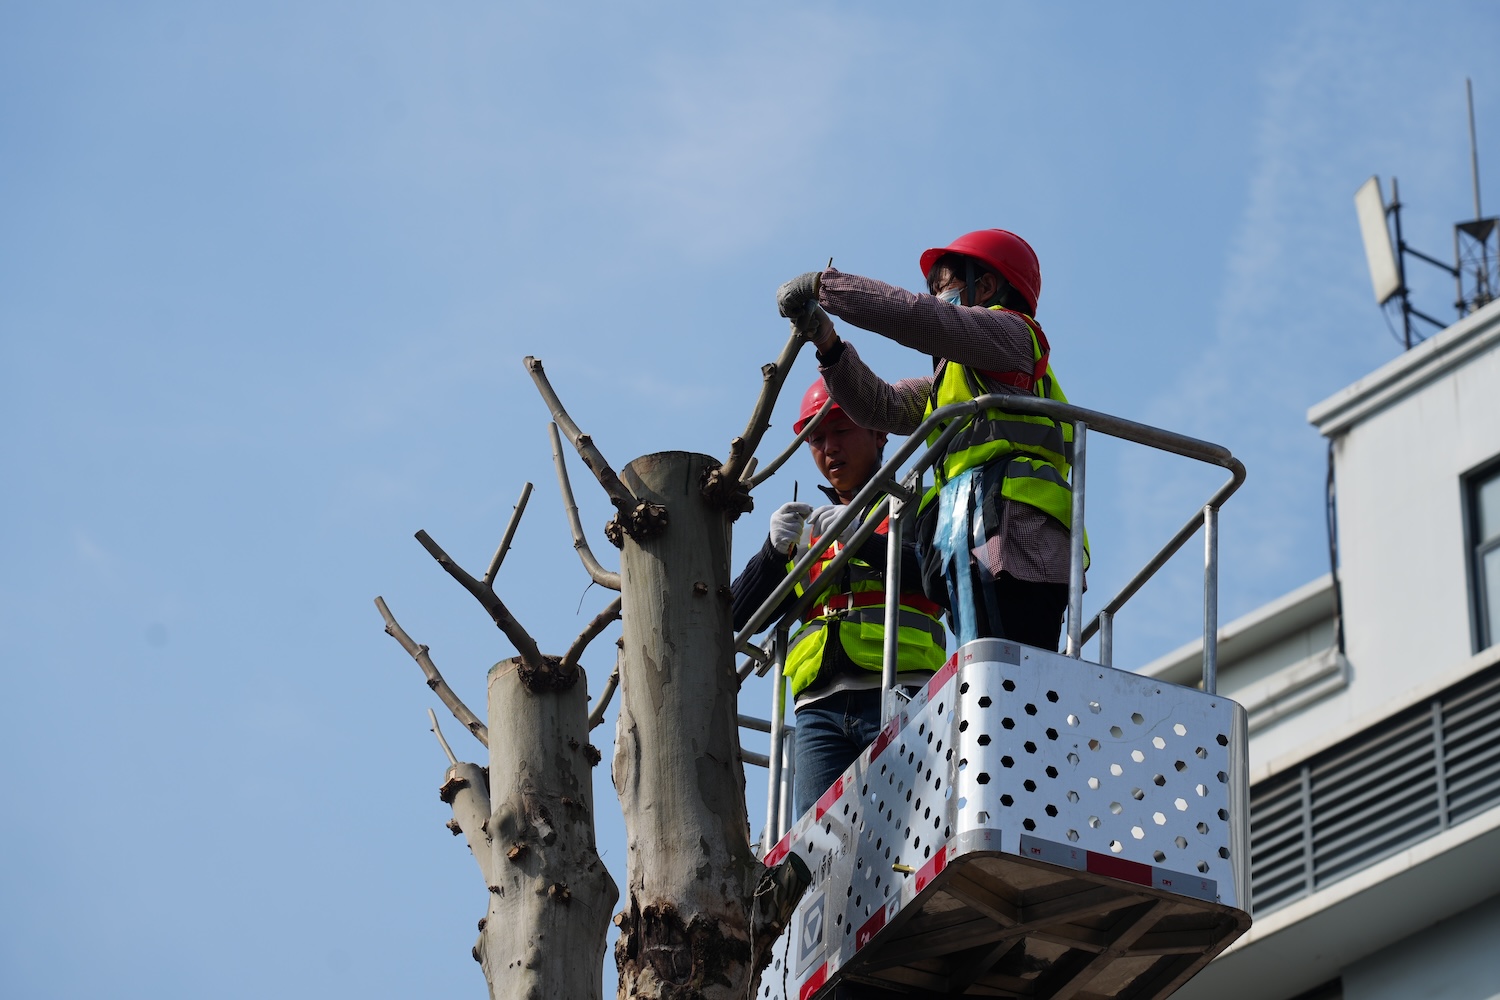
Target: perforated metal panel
pixel 1030 824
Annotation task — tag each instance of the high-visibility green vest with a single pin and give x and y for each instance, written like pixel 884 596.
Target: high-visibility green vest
pixel 1037 452
pixel 854 609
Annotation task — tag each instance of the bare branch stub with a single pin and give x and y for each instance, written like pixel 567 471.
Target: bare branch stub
pixel 435 679
pixel 550 674
pixel 602 620
pixel 489 600
pixel 729 495
pixel 645 522
pixel 600 575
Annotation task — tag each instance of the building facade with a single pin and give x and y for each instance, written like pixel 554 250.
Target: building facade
pixel 1373 696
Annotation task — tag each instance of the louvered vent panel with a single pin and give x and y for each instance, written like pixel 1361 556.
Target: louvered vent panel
pixel 1278 862
pixel 1372 798
pixel 1471 738
pixel 1376 793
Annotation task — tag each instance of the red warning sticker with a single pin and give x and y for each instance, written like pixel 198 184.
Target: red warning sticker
pixel 1126 871
pixel 775 854
pixel 813 982
pixel 930 870
pixel 869 929
pixel 828 798
pixel 886 737
pixel 943 676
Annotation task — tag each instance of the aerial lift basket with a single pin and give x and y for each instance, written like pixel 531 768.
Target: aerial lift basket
pixel 1031 825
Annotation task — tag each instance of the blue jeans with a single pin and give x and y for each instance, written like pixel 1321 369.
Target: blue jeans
pixel 831 733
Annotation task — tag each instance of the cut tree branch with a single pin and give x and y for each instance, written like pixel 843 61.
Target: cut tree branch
pixel 791 449
pixel 466 789
pixel 525 645
pixel 596 716
pixel 773 375
pixel 601 621
pixel 587 450
pixel 597 573
pixel 510 532
pixel 435 680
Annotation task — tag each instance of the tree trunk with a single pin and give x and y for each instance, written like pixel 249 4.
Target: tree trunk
pixel 550 895
pixel 689 927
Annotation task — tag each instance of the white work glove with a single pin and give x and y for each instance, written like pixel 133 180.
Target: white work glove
pixel 786 525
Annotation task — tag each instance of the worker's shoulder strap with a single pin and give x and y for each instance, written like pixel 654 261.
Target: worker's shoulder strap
pixel 1025 381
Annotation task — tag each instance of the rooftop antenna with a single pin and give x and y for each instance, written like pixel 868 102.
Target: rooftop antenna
pixel 1387 261
pixel 1476 248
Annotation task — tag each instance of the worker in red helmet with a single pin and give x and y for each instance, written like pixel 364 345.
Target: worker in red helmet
pixel 834 657
pixel 993 530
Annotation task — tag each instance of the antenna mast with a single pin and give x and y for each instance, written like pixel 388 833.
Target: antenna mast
pixel 1473 252
pixel 1476 247
pixel 1473 147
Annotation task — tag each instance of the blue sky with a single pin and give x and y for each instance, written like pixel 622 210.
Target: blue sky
pixel 267 274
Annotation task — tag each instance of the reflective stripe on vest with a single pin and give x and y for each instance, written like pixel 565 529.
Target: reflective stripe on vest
pixel 908 619
pixel 1037 450
pixel 859 608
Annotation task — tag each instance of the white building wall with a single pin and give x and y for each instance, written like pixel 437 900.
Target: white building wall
pixel 1403 438
pixel 1402 532
pixel 1423 922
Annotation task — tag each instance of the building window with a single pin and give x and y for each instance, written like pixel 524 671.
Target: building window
pixel 1483 496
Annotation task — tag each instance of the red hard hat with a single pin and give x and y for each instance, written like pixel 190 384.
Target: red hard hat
pixel 812 401
pixel 1002 251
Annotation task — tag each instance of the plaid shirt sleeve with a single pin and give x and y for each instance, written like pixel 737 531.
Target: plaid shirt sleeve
pixel 872 402
pixel 986 339
pixel 1023 541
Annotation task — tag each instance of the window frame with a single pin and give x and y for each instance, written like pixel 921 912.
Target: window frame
pixel 1483 633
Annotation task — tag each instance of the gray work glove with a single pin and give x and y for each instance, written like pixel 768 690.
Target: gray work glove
pixel 812 325
pixel 798 297
pixel 786 525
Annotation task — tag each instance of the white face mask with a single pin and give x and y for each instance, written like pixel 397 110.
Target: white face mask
pixel 953 296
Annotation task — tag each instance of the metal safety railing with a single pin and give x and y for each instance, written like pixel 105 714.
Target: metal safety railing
pixel 899 503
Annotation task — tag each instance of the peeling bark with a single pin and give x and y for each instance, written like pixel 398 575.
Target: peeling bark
pixel 690 928
pixel 550 894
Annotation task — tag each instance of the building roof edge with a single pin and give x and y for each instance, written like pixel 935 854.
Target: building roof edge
pixel 1409 372
pixel 1249 632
